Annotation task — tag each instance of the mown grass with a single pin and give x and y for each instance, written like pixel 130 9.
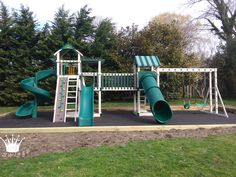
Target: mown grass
pixel 230 102
pixel 7 109
pixel 227 102
pixel 14 108
pixel 212 156
pixel 107 105
pixel 48 108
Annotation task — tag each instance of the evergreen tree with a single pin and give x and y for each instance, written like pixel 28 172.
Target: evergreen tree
pixel 46 60
pixel 5 55
pixel 44 52
pixel 104 45
pixel 84 29
pixel 127 46
pixel 23 63
pixel 62 28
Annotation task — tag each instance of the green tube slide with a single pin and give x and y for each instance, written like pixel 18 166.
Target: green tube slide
pixel 86 117
pixel 30 84
pixel 159 107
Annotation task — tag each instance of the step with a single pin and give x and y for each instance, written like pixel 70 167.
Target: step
pixel 70 109
pixel 72 97
pixel 72 115
pixel 71 103
pixel 72 91
pixel 72 85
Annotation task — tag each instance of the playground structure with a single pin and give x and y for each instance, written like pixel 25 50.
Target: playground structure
pixel 75 99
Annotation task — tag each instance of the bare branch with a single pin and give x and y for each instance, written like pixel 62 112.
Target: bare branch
pixel 216 30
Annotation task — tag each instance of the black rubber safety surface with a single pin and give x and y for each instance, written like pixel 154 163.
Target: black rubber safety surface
pixel 118 118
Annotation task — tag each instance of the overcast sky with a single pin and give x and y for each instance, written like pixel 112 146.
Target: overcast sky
pixel 122 12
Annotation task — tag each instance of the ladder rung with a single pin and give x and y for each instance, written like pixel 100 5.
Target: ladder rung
pixel 72 91
pixel 71 116
pixel 71 113
pixel 73 81
pixel 70 109
pixel 72 103
pixel 71 96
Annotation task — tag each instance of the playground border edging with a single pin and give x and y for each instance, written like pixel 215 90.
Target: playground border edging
pixel 111 128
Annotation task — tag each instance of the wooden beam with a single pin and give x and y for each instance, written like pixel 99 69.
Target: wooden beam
pixel 110 128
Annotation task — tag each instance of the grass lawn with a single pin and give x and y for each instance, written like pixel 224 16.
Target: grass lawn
pixel 227 102
pixel 106 105
pixel 212 156
pixel 46 108
pixel 230 102
pixel 13 109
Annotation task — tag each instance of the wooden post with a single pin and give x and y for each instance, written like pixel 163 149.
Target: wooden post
pixel 135 92
pixel 139 92
pixel 58 63
pixel 216 93
pixel 99 88
pixel 210 91
pixel 158 76
pixel 79 71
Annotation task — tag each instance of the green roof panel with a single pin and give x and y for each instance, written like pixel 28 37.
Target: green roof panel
pixel 147 61
pixel 68 46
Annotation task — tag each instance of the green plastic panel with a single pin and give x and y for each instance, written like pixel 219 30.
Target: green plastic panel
pixel 159 107
pixel 117 81
pixel 86 117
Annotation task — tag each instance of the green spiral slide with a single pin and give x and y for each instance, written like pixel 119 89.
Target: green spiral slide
pixel 31 85
pixel 160 108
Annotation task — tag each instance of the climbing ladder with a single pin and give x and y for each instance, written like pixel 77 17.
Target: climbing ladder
pixel 60 99
pixel 71 104
pixel 143 102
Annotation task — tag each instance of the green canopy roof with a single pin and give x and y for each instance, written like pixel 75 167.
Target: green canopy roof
pixel 145 61
pixel 68 46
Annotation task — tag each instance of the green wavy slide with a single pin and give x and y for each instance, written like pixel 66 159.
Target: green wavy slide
pixel 31 85
pixel 86 117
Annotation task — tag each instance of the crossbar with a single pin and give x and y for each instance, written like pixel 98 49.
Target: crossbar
pixel 190 70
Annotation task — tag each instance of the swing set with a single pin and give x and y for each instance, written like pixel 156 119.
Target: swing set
pixel 193 90
pixel 205 87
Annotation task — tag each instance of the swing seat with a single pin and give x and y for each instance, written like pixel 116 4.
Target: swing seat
pixel 186 105
pixel 201 104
